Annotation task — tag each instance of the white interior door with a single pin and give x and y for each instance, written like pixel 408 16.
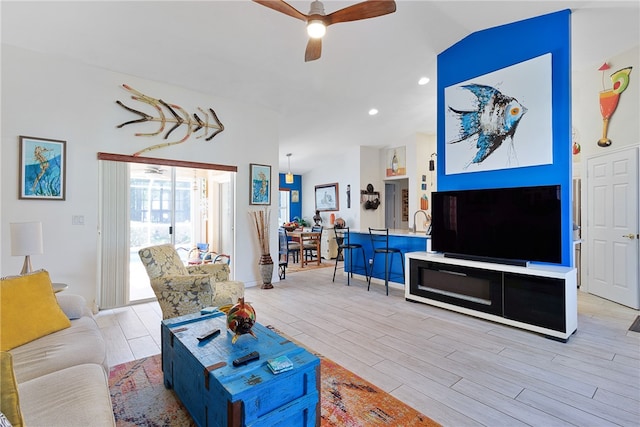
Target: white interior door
pixel 390 218
pixel 612 227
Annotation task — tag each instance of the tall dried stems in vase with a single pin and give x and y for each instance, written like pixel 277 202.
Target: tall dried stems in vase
pixel 261 220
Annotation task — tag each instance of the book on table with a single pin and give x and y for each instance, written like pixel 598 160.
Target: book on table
pixel 280 364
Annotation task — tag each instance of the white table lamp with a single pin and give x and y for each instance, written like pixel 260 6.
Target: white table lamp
pixel 26 239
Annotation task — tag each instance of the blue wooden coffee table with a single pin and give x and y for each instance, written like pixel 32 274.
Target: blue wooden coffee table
pixel 216 393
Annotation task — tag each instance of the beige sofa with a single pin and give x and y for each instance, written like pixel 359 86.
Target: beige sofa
pixel 62 377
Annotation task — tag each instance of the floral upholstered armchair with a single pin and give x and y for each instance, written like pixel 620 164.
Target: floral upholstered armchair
pixel 184 289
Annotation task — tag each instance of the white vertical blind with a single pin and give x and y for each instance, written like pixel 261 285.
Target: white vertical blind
pixel 113 235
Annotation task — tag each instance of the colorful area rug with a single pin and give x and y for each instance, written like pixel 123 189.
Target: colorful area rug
pixel 140 399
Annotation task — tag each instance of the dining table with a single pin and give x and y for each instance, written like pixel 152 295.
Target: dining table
pixel 307 240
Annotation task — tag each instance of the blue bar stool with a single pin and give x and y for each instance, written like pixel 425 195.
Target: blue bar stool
pixel 344 244
pixel 380 244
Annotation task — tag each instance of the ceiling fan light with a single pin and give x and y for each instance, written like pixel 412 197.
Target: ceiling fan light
pixel 316 29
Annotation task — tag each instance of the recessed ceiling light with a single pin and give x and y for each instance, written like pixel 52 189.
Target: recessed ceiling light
pixel 373 112
pixel 423 81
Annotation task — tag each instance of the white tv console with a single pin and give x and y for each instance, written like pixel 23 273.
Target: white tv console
pixel 538 298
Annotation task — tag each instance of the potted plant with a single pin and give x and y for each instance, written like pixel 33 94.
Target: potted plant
pixel 301 222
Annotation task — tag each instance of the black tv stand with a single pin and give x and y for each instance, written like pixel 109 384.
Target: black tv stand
pixel 504 261
pixel 538 298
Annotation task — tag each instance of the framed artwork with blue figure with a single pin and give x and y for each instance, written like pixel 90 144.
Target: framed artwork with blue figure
pixel 260 184
pixel 42 168
pixel 500 120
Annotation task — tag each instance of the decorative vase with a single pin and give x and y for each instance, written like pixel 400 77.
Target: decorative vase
pixel 240 319
pixel 266 270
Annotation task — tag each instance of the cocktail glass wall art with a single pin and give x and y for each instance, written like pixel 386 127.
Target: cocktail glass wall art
pixel 609 99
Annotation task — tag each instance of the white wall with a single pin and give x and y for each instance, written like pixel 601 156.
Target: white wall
pixel 359 166
pixel 344 169
pixel 50 97
pixel 425 146
pixel 372 164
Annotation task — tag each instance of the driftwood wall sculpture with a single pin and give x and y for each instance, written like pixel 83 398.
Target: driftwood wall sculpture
pixel 179 116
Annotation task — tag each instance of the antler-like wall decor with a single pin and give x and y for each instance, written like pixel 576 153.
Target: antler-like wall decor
pixel 194 124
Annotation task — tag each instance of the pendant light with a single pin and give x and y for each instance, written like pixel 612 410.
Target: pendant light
pixel 289 176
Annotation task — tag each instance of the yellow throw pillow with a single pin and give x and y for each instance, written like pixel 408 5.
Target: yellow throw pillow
pixel 10 402
pixel 28 309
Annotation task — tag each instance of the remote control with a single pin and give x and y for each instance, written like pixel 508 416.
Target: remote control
pixel 209 334
pixel 254 355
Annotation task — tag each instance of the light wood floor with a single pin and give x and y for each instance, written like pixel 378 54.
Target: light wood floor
pixel 456 369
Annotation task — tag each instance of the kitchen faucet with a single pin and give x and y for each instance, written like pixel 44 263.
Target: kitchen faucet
pixel 426 217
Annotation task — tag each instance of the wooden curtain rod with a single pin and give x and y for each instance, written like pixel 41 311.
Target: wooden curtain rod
pixel 165 162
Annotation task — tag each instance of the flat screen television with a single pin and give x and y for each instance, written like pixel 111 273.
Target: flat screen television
pixel 506 225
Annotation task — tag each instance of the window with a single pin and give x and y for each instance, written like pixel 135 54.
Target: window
pixel 284 205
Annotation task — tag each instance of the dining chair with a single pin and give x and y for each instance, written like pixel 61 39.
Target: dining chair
pixel 311 244
pixel 293 248
pixel 283 253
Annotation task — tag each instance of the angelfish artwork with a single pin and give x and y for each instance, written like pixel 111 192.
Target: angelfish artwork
pixel 609 98
pixel 495 119
pixel 483 114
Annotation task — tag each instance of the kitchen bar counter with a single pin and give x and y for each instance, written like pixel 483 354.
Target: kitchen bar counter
pixel 397 232
pixel 405 240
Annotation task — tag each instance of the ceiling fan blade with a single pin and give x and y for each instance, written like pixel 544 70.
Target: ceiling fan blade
pixel 314 49
pixel 283 7
pixel 364 10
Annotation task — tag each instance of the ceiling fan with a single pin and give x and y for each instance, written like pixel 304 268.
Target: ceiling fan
pixel 317 21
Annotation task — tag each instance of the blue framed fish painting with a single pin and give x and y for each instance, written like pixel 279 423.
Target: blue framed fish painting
pixel 260 182
pixel 42 168
pixel 500 120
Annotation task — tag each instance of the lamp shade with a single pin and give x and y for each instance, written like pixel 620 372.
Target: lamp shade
pixel 26 238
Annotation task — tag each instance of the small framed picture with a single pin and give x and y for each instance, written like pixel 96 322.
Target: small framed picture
pixel 327 197
pixel 295 196
pixel 260 184
pixel 42 166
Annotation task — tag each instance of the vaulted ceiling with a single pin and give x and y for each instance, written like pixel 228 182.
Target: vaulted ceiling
pixel 244 51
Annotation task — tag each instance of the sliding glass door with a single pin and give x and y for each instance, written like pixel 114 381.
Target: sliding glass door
pixel 145 204
pixel 181 206
pixel 158 201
